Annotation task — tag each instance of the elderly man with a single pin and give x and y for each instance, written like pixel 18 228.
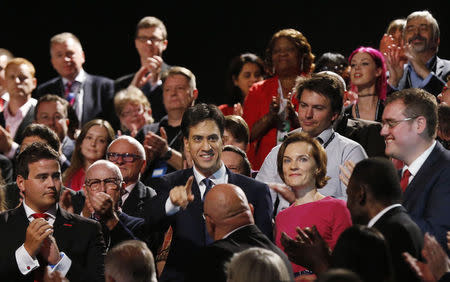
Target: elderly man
pixel 229 221
pixel 129 156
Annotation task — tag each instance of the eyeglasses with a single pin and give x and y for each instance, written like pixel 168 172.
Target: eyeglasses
pixel 126 157
pixel 393 123
pixel 145 39
pixel 110 184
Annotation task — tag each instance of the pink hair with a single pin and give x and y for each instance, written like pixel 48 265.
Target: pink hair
pixel 376 55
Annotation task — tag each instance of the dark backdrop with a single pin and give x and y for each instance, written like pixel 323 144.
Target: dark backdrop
pixel 202 36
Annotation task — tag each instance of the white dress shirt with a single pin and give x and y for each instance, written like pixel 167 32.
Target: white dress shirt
pixel 78 104
pixel 417 163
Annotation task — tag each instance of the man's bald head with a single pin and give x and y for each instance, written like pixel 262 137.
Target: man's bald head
pixel 226 208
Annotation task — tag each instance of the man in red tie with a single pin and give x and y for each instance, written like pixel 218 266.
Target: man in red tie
pixel 39 233
pixel 409 129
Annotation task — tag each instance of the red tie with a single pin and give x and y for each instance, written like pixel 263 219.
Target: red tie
pixel 405 179
pixel 40 215
pixel 70 97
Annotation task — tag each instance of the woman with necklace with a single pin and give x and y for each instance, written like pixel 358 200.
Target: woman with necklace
pixel 368 81
pixel 269 108
pixel 302 164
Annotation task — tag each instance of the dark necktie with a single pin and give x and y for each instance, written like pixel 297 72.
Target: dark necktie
pixel 405 179
pixel 69 94
pixel 209 184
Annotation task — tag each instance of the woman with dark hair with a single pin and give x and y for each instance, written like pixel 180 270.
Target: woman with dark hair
pixel 302 165
pixel 368 82
pixel 270 108
pixel 244 70
pixel 90 146
pixel 364 251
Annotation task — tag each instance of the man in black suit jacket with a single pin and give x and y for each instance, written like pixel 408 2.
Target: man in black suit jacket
pixel 91 96
pixel 410 118
pixel 19 111
pixel 424 69
pixel 150 41
pixel 229 221
pixel 179 202
pixel 39 233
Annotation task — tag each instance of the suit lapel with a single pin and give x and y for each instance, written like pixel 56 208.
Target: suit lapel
pixel 29 117
pixel 89 103
pixel 63 232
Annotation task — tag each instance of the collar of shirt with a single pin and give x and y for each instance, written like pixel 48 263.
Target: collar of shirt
pixel 417 163
pixel 415 80
pixel 153 86
pixel 228 234
pixel 218 177
pixel 80 78
pixel 128 188
pixel 51 212
pixel 381 213
pixel 326 134
pixel 14 121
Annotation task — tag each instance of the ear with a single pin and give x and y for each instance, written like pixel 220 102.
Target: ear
pixel 234 79
pixel 186 145
pixel 333 117
pixel 362 195
pixel 21 183
pixel 34 83
pixel 83 57
pixel 194 96
pixel 421 126
pixel 378 72
pixel 252 209
pixel 144 165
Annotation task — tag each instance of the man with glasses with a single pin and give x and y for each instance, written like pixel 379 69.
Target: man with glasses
pixel 150 41
pixel 409 129
pixel 102 190
pixel 129 156
pixel 423 68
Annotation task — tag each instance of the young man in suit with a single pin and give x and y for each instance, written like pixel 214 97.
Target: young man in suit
pixel 150 42
pixel 91 96
pixel 229 221
pixel 19 110
pixel 180 203
pixel 39 233
pixel 409 128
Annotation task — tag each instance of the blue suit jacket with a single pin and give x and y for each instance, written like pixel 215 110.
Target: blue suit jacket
pixel 189 226
pixel 97 100
pixel 427 197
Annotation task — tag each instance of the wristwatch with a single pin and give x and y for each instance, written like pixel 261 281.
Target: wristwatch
pixel 167 155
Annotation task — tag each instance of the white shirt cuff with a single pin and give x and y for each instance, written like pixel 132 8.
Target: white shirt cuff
pixel 170 207
pixel 63 264
pixel 24 261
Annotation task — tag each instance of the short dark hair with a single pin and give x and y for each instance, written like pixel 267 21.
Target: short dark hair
pixel 51 98
pixel 33 153
pixel 246 166
pixel 237 126
pixel 43 132
pixel 380 177
pixel 324 84
pixel 201 112
pixel 418 102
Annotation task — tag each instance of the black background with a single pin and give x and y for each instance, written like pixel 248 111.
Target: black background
pixel 202 36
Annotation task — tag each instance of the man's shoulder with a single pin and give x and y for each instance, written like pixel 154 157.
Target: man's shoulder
pixel 49 82
pixel 145 190
pixel 123 81
pixel 244 180
pixel 346 142
pixel 99 79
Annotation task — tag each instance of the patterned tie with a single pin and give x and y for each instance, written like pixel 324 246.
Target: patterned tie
pixel 209 184
pixel 405 179
pixel 69 95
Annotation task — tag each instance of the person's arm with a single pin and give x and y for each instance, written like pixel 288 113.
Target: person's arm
pixel 267 122
pixel 354 153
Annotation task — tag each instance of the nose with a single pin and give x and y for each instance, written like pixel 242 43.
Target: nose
pixel 384 129
pixel 309 112
pixel 205 145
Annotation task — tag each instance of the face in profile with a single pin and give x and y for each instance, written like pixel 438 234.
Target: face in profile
pixel 93 146
pixel 204 144
pixel 299 166
pixel 250 73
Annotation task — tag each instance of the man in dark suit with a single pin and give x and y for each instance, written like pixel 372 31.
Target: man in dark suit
pixel 91 96
pixel 19 111
pixel 39 233
pixel 229 221
pixel 424 69
pixel 409 128
pixel 179 202
pixel 150 41
pixel 375 201
pixel 129 155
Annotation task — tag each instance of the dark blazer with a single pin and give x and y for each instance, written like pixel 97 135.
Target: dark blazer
pixel 189 225
pixel 134 204
pixel 402 235
pixel 79 238
pixel 97 100
pixel 210 263
pixel 440 71
pixel 427 196
pixel 154 96
pixel 27 120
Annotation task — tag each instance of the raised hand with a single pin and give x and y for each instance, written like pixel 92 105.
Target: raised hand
pixel 155 146
pixel 6 140
pixel 65 201
pixel 284 191
pixel 181 195
pixel 346 171
pixel 49 250
pixel 37 232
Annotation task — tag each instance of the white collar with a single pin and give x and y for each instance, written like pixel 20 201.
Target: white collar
pixel 381 213
pixel 219 175
pixel 81 77
pixel 29 211
pixel 417 163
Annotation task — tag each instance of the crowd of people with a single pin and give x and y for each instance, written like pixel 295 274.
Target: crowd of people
pixel 316 169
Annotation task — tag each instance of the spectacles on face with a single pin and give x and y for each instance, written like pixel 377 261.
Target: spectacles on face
pixel 110 184
pixel 393 123
pixel 145 39
pixel 126 157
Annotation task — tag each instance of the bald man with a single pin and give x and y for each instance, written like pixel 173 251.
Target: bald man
pixel 229 221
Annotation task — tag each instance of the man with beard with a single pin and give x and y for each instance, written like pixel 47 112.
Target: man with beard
pixel 423 69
